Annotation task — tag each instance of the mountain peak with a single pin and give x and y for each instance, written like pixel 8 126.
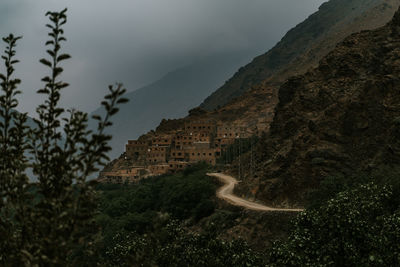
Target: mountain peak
pixel 396 20
pixel 304 45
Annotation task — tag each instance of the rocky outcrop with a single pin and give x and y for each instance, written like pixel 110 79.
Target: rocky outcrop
pixel 342 116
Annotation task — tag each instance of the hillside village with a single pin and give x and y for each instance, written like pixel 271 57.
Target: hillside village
pixel 157 153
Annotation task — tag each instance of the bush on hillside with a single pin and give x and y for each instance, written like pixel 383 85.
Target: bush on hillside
pixel 357 227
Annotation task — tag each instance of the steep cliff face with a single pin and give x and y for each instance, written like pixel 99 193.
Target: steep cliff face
pixel 340 117
pixel 252 91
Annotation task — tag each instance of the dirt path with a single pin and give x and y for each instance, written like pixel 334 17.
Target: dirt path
pixel 226 193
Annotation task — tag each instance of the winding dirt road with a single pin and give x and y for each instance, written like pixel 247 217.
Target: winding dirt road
pixel 226 193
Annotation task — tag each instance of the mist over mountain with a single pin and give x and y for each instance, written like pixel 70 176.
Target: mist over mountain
pixel 250 95
pixel 172 96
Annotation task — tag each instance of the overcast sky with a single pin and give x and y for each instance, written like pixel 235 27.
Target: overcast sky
pixel 138 41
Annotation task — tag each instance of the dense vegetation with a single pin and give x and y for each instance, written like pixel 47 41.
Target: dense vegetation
pixel 148 224
pixel 356 223
pixel 140 206
pixel 351 221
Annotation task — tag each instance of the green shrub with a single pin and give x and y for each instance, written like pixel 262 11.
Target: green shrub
pixel 358 227
pixel 190 249
pixel 203 209
pixel 46 223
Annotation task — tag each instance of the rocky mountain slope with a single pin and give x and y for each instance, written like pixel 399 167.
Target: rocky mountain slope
pixel 340 117
pixel 283 161
pixel 302 47
pixel 251 94
pixel 171 96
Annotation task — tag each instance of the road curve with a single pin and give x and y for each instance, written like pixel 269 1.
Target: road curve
pixel 226 193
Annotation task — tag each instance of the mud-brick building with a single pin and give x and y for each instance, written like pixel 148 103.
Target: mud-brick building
pixel 202 155
pixel 162 140
pixel 177 155
pixel 160 153
pixel 223 142
pixel 159 169
pixel 125 175
pixel 136 149
pixel 203 137
pixel 157 154
pixel 185 139
pixel 207 126
pixel 182 140
pixel 231 131
pixel 201 145
pixel 176 166
pixel 226 135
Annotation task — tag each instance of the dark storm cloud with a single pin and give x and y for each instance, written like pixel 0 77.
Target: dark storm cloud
pixel 138 41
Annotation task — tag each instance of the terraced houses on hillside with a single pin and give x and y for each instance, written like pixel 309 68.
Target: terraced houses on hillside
pixel 161 153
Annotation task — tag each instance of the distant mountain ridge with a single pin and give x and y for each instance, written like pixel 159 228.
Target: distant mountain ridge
pixel 171 97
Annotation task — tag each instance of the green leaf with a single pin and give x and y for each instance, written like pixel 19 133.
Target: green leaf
pixel 45 62
pixel 50 52
pixel 63 57
pixel 46 79
pixel 122 100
